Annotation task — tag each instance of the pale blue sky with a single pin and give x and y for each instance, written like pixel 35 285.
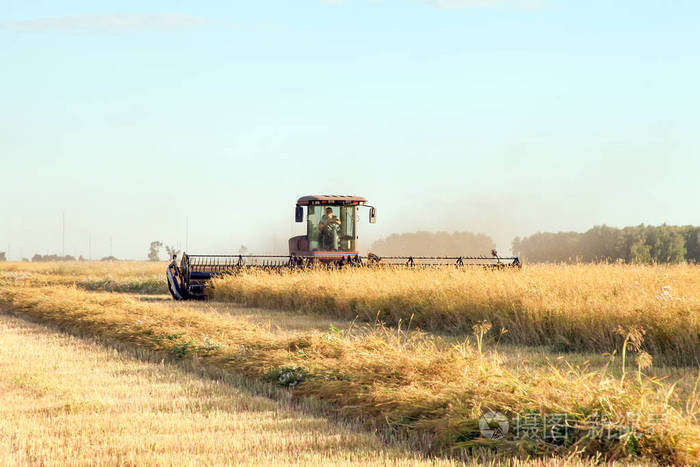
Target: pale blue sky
pixel 503 117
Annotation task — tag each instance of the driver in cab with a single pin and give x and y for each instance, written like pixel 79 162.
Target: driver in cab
pixel 328 219
pixel 329 229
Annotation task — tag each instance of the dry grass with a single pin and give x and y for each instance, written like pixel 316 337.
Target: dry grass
pixel 289 323
pixel 65 401
pixel 117 269
pixel 109 276
pixel 402 382
pixel 99 405
pixel 569 307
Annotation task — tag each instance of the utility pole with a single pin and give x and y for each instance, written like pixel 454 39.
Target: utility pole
pixel 63 235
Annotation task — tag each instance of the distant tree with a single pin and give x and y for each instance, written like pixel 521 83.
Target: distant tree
pixel 639 253
pixel 171 251
pixel 691 236
pixel 109 258
pixel 154 250
pixel 243 250
pixel 602 243
pixel 3 256
pixel 636 244
pixel 545 247
pixel 668 245
pixel 38 257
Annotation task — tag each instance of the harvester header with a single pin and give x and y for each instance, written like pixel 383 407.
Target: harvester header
pixel 330 241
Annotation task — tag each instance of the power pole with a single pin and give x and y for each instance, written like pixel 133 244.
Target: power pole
pixel 63 235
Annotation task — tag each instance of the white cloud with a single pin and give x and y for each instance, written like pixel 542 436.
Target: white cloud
pixel 111 23
pixel 456 4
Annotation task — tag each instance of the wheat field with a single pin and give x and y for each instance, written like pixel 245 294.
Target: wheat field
pixel 572 308
pixel 112 276
pixel 93 405
pixel 428 389
pixel 107 405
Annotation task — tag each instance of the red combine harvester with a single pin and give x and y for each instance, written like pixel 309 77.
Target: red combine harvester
pixel 330 240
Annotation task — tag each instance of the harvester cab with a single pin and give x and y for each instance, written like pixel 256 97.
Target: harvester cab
pixel 331 227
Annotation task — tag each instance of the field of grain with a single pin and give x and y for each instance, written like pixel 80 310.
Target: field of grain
pixel 66 401
pixel 144 277
pixel 572 308
pixel 431 389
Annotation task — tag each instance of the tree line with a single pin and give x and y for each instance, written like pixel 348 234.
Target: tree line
pixel 37 257
pixel 643 244
pixel 434 244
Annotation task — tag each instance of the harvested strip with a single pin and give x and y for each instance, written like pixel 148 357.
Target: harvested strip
pixel 65 401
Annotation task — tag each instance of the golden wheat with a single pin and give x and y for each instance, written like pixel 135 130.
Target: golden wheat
pixel 98 405
pixel 576 307
pixel 65 401
pixel 414 383
pixel 111 276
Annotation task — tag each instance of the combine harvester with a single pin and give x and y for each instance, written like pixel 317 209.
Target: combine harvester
pixel 330 241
